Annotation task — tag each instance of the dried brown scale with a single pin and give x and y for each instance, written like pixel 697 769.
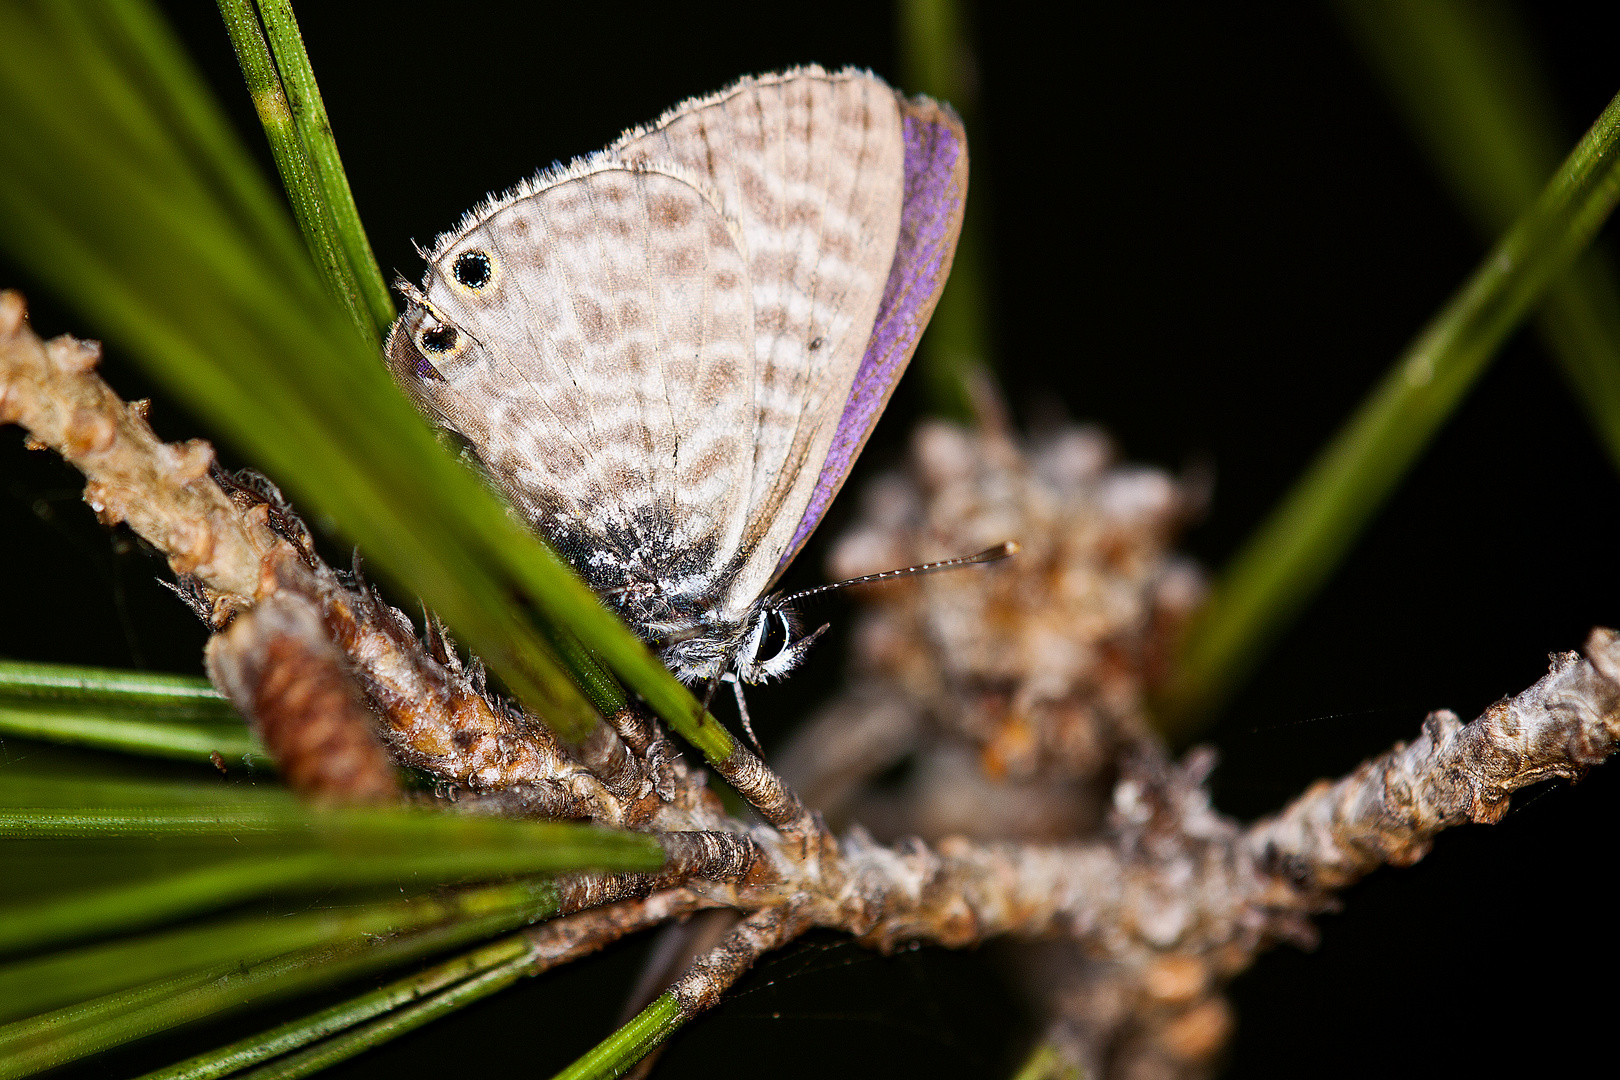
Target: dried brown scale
pixel 776 802
pixel 282 672
pixel 161 491
pixel 642 735
pixel 636 729
pixel 580 892
pixel 604 754
pixel 541 799
pixel 708 853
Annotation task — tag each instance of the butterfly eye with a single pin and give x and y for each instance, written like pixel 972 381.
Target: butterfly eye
pixel 440 339
pixel 472 269
pixel 775 638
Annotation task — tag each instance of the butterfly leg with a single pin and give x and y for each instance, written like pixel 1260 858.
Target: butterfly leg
pixel 742 709
pixel 708 693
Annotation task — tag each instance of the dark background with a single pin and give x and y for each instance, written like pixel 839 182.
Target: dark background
pixel 1210 233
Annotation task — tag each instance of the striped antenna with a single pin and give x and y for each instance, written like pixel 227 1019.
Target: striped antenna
pixel 988 555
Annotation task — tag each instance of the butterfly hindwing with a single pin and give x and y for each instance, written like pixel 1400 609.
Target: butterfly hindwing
pixel 602 368
pixel 669 354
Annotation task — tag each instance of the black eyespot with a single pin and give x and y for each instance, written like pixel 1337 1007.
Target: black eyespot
pixel 816 343
pixel 440 339
pixel 472 269
pixel 774 640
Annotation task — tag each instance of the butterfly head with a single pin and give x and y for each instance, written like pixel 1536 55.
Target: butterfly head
pixel 775 643
pixel 766 643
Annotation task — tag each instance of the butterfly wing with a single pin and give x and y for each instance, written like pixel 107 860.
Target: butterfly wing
pixel 810 165
pixel 592 337
pixel 675 350
pixel 936 175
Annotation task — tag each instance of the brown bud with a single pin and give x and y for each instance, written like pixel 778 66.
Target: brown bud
pixel 187 461
pixel 107 502
pixel 13 312
pixel 281 670
pixel 191 545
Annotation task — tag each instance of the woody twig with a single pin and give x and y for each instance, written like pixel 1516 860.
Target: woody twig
pixel 1142 917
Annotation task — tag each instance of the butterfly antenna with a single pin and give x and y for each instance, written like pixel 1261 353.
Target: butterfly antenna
pixel 988 555
pixel 742 710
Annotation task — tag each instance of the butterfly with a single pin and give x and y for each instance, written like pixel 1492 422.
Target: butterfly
pixel 669 353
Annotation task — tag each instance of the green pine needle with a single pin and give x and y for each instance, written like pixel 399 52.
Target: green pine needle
pixel 320 146
pixel 615 1055
pixel 154 694
pixel 169 716
pixel 39 983
pixel 1295 550
pixel 78 1031
pixel 395 1023
pixel 298 176
pixel 126 191
pixel 303 1031
pixel 1482 108
pixel 197 742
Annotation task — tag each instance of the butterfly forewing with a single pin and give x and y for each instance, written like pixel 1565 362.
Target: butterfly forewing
pixel 810 166
pixel 936 176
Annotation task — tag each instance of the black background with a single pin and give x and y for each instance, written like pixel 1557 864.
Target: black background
pixel 1210 233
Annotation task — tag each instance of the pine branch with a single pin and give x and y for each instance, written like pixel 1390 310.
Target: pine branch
pixel 162 490
pixel 1167 903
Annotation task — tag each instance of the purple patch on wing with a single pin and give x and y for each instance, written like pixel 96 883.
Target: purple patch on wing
pixel 424 370
pixel 930 221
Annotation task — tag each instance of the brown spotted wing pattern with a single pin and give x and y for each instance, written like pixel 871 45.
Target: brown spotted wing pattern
pixel 650 350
